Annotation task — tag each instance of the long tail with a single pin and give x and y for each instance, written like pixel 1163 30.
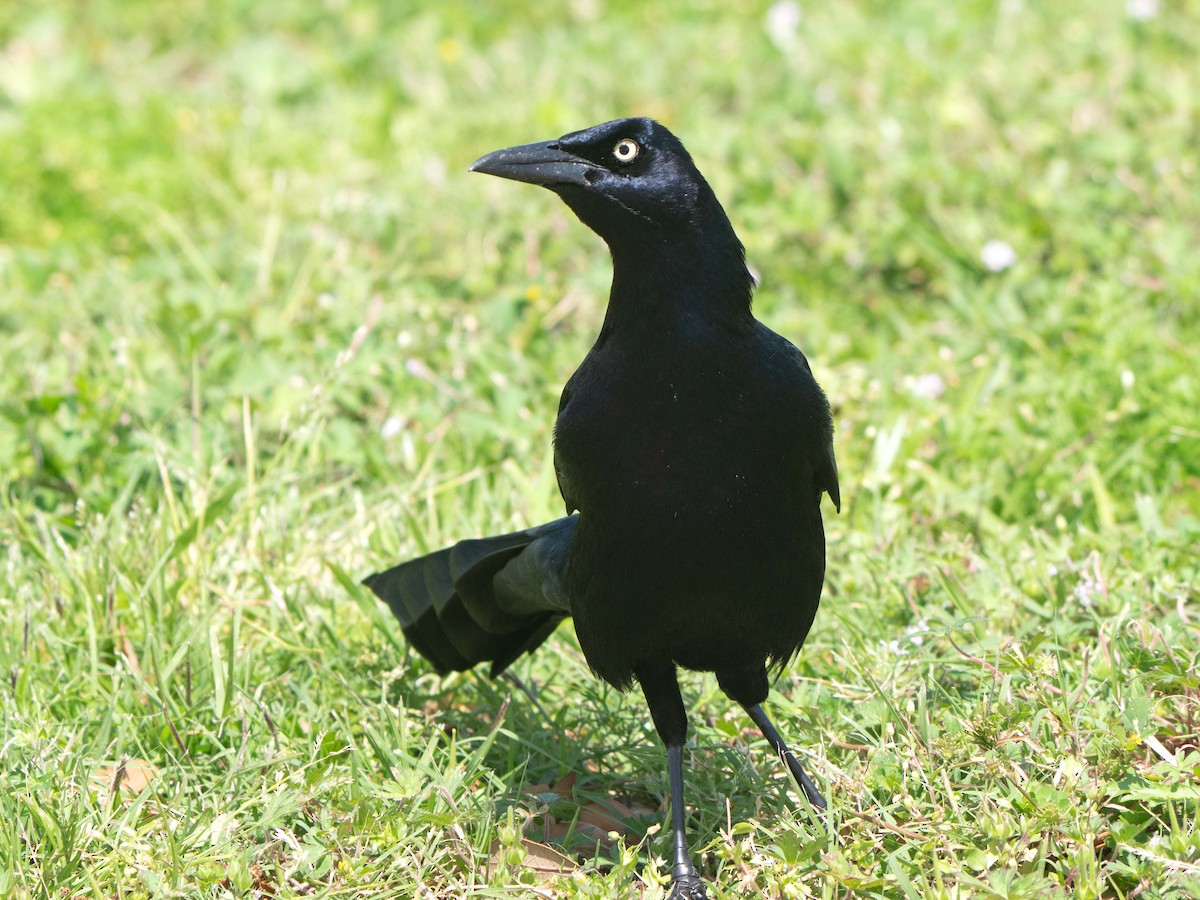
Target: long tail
pixel 484 600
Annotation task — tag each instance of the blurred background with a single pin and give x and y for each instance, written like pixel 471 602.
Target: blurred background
pixel 261 334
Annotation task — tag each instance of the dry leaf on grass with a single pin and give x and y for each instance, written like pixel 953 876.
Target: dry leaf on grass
pixel 543 860
pixel 559 830
pixel 132 775
pixel 602 821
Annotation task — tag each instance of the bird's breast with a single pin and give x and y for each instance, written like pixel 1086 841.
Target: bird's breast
pixel 693 442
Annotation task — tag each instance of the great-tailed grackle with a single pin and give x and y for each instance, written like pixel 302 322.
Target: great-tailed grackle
pixel 695 445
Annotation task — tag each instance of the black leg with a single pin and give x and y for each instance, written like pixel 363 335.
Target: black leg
pixel 688 885
pixel 661 688
pixel 760 719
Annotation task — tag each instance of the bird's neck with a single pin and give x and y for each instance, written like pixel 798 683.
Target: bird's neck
pixel 663 285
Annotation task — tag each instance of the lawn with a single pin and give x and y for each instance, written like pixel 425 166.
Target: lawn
pixel 261 334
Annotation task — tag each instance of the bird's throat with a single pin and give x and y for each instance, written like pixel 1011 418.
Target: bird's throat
pixel 656 289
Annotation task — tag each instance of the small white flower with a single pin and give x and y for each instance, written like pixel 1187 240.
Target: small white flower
pixel 825 94
pixel 1141 10
pixel 929 386
pixel 1085 590
pixel 916 632
pixel 392 427
pixel 783 20
pixel 1127 379
pixel 998 255
pixel 120 349
pixel 435 170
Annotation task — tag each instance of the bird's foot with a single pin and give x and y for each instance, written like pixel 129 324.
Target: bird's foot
pixel 688 887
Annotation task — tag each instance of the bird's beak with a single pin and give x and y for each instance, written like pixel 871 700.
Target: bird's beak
pixel 541 163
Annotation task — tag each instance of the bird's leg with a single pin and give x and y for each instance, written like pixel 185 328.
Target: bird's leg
pixel 661 688
pixel 759 717
pixel 683 872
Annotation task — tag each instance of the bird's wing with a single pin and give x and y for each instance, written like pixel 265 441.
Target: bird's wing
pixel 826 468
pixel 564 485
pixel 827 476
pixel 825 471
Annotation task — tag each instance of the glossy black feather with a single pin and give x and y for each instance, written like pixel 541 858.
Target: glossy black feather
pixel 483 600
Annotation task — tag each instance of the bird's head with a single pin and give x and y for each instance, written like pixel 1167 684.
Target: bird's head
pixel 626 179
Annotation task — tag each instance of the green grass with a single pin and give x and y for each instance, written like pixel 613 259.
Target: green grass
pixel 260 334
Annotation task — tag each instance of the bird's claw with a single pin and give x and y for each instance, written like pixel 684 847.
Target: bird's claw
pixel 688 887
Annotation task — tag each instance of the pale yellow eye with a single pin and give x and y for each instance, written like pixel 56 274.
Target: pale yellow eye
pixel 626 150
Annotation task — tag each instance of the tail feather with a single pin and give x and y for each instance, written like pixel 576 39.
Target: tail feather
pixel 407 591
pixel 483 600
pixel 473 564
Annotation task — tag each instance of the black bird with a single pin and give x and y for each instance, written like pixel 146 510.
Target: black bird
pixel 695 445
